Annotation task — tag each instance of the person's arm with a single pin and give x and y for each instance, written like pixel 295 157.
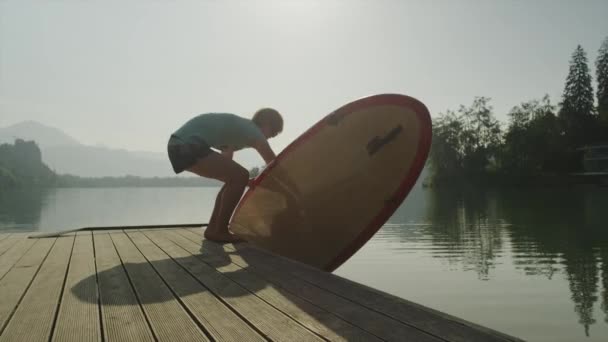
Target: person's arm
pixel 264 150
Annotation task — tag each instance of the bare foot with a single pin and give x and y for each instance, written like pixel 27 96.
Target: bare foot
pixel 225 237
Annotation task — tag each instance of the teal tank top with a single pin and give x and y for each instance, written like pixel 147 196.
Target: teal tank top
pixel 220 131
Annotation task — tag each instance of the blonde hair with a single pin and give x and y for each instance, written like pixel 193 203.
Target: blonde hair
pixel 269 116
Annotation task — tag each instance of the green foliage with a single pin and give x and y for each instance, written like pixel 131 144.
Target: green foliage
pixel 601 65
pixel 533 144
pixel 7 179
pixel 470 147
pixel 21 165
pixel 601 72
pixel 465 143
pixel 538 145
pixel 577 110
pixel 447 153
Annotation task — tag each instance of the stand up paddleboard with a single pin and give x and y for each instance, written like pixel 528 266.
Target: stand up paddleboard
pixel 330 190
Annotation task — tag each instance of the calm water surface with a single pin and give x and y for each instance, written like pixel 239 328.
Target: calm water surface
pixel 531 263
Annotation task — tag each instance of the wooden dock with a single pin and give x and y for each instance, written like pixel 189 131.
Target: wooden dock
pixel 172 285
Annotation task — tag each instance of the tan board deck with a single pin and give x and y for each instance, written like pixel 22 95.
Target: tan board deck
pixel 171 284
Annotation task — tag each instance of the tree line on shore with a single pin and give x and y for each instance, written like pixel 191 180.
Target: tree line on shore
pixel 540 141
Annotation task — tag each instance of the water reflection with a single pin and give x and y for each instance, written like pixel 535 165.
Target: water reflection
pixel 567 224
pixel 546 231
pixel 21 208
pixel 62 209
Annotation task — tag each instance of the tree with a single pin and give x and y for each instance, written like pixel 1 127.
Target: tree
pixel 7 179
pixel 576 113
pixel 466 142
pixel 533 144
pixel 447 153
pixel 601 73
pixel 482 136
pixel 22 164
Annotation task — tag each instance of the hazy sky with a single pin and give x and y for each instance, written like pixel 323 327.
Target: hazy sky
pixel 127 73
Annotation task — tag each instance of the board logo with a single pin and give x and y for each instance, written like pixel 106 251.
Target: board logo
pixel 377 143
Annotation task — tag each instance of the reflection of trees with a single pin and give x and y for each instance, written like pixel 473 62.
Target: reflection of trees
pixel 565 226
pixel 21 206
pixel 604 259
pixel 552 230
pixel 596 205
pixel 462 227
pixel 583 276
pixel 466 225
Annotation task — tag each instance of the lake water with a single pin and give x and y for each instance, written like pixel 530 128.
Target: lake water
pixel 531 263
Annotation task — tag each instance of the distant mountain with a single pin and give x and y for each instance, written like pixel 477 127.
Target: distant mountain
pixel 31 130
pixel 65 155
pixel 92 161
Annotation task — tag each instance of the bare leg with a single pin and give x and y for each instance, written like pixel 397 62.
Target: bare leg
pixel 235 178
pixel 213 220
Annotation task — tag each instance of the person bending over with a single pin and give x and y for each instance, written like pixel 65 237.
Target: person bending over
pixel 191 148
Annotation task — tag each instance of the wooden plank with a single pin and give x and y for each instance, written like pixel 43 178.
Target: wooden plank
pixel 196 230
pixel 313 317
pixel 435 322
pixel 78 318
pixel 122 316
pixel 219 321
pixel 5 243
pixel 379 325
pixel 107 231
pixel 432 321
pixel 118 228
pixel 167 317
pixel 12 241
pixel 33 320
pixel 162 229
pixel 18 279
pixel 271 322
